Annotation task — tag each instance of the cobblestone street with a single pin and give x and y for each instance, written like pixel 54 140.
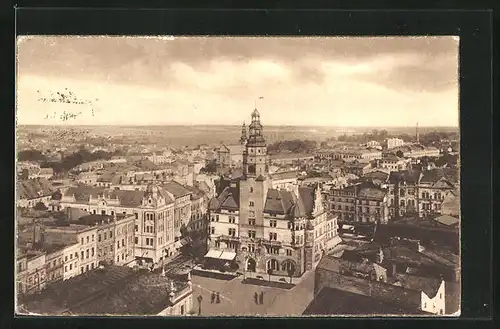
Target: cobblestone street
pixel 237 298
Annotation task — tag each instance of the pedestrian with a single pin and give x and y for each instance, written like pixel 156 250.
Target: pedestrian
pixel 218 298
pixel 261 298
pixel 256 297
pixel 212 297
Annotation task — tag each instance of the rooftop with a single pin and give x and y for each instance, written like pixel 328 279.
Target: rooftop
pixel 34 188
pixel 331 301
pixel 111 290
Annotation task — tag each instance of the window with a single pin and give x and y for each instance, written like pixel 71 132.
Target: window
pixel 182 309
pixel 65 269
pixel 118 258
pixel 252 204
pixel 87 253
pixel 212 230
pixel 440 296
pixel 289 252
pixel 76 255
pixel 251 190
pixel 272 223
pixel 123 242
pixel 232 231
pixel 232 219
pixel 273 236
pixel 136 227
pixel 93 238
pixel 217 244
pixel 82 241
pixel 92 251
pixel 251 221
pixel 251 234
pixel 110 234
pixel 136 215
pixel 136 240
pixel 217 218
pixel 251 248
pixel 82 255
pixel 92 266
pixel 87 267
pixel 65 258
pixel 81 270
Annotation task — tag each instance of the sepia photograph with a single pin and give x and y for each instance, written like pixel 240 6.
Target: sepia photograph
pixel 180 176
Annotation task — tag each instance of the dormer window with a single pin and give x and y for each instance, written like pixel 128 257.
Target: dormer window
pixel 150 201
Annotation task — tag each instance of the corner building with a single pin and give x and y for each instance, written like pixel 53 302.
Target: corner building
pixel 265 228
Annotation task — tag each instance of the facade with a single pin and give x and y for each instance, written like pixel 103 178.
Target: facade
pixel 364 203
pixel 54 259
pixel 182 205
pixel 31 273
pixel 71 262
pixel 394 142
pixel 403 195
pixel 152 208
pixel 392 162
pixel 264 228
pixel 434 187
pixel 349 154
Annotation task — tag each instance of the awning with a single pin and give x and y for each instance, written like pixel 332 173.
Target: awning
pixel 227 255
pixel 212 253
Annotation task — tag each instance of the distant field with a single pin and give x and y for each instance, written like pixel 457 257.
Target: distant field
pixel 175 136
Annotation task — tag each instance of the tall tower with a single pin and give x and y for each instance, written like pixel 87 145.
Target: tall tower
pixel 417 135
pixel 243 138
pixel 255 155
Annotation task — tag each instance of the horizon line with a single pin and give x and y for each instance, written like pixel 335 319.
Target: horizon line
pixel 231 125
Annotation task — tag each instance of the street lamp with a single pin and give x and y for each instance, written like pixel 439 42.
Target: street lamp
pixel 200 298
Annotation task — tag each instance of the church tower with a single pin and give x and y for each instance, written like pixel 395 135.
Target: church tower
pixel 255 155
pixel 243 138
pixel 253 188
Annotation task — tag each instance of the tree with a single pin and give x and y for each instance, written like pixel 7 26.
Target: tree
pixel 31 155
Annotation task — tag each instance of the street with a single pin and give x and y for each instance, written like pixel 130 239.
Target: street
pixel 237 298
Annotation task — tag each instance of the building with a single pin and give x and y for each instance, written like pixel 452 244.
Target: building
pixel 87 178
pixel 451 204
pixel 364 203
pixel 30 272
pixel 392 162
pixel 357 168
pixel 373 279
pixel 30 192
pixel 115 237
pixel 114 291
pixel 284 159
pixel 182 205
pixel 416 151
pixel 434 187
pixel 349 154
pixel 261 228
pixel 153 211
pixel 373 144
pixel 394 142
pixel 161 157
pixel 287 180
pixel 403 189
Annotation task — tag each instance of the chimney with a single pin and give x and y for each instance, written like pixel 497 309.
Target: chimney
pixel 171 295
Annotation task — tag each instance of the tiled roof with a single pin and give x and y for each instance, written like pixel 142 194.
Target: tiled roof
pixel 426 284
pixel 228 199
pixel 372 193
pixel 34 188
pixel 306 195
pixel 83 193
pixel 331 301
pixel 278 202
pixel 447 220
pixel 177 189
pixel 434 175
pixel 112 290
pixel 408 176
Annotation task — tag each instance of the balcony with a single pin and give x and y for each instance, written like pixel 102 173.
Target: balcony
pixel 233 238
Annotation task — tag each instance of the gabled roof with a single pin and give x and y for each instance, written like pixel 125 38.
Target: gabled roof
pixel 177 189
pixel 83 193
pixel 229 199
pixel 278 202
pixel 435 175
pixel 428 285
pixel 284 175
pixel 34 188
pixel 372 192
pixel 408 176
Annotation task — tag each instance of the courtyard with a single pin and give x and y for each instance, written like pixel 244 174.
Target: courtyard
pixel 237 298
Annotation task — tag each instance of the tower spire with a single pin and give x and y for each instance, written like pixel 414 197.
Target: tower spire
pixel 243 138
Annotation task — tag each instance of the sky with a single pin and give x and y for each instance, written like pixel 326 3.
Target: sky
pixel 315 81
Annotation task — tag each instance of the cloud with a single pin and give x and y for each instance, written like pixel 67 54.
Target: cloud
pixel 149 60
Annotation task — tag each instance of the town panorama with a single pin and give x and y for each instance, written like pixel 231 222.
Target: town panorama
pixel 253 219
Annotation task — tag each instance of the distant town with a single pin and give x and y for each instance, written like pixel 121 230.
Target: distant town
pixel 261 223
